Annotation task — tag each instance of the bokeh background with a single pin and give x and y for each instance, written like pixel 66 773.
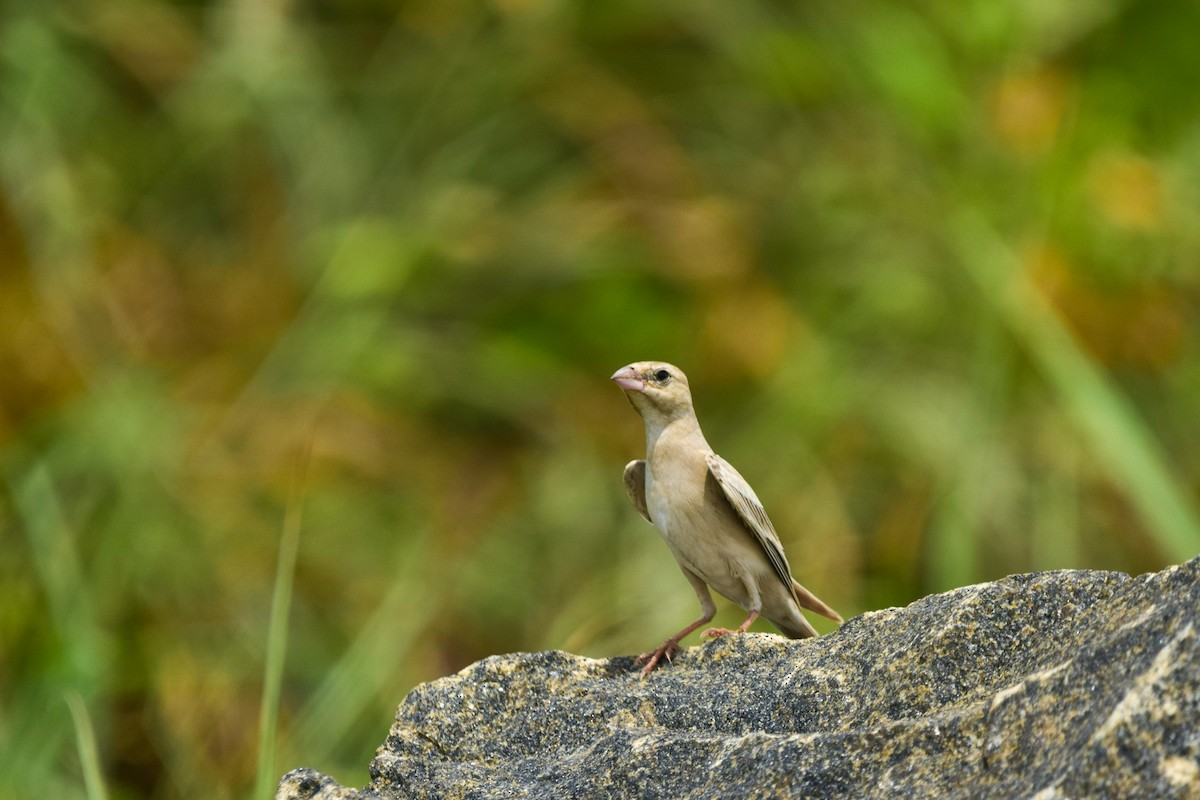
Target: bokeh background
pixel 347 281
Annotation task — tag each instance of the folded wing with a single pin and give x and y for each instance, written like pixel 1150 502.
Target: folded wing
pixel 748 507
pixel 635 487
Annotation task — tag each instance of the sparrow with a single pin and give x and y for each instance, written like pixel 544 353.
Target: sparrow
pixel 708 515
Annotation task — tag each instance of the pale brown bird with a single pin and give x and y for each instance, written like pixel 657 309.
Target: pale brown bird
pixel 707 513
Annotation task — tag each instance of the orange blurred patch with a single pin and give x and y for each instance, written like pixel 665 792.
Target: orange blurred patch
pixel 649 174
pixel 700 239
pixel 1027 109
pixel 1127 190
pixel 1141 326
pixel 155 43
pixel 748 326
pixel 210 713
pixel 38 370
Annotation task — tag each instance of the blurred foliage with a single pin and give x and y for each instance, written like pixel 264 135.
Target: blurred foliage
pixel 933 269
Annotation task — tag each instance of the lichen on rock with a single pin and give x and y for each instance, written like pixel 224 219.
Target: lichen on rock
pixel 1054 684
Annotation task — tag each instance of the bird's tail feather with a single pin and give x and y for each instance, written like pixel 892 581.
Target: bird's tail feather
pixel 797 629
pixel 814 603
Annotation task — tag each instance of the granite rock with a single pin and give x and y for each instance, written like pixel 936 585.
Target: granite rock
pixel 1048 685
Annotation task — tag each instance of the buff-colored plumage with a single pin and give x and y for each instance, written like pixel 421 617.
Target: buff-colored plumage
pixel 707 513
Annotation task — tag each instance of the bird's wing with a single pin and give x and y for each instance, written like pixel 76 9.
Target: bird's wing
pixel 635 486
pixel 747 505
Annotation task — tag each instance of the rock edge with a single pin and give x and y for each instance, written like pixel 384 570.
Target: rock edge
pixel 1048 685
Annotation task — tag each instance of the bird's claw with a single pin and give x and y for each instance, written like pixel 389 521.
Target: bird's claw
pixel 666 650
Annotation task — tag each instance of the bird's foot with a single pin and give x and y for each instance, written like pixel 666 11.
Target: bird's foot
pixel 665 650
pixel 713 633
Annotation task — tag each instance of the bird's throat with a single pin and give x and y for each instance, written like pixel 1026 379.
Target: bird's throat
pixel 664 436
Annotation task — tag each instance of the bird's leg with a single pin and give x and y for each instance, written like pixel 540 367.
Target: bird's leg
pixel 667 649
pixel 713 633
pixel 755 605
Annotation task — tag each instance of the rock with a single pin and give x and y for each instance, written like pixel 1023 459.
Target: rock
pixel 1049 685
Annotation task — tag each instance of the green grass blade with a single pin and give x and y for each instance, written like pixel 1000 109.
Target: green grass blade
pixel 281 601
pixel 1117 435
pixel 85 738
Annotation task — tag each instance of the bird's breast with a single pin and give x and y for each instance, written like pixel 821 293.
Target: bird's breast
pixel 688 520
pixel 700 528
pixel 674 497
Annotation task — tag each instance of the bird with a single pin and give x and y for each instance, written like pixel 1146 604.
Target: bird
pixel 711 520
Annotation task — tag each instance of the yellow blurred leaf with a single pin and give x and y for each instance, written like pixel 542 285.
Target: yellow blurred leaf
pixel 1141 326
pixel 748 326
pixel 1127 190
pixel 1027 109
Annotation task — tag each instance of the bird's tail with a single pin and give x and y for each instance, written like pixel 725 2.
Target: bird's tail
pixel 814 604
pixel 798 628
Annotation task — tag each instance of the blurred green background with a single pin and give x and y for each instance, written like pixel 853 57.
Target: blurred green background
pixel 359 272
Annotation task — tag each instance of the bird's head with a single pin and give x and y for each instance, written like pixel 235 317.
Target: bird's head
pixel 656 389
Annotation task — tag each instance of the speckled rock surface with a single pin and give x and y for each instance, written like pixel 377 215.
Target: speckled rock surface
pixel 1062 684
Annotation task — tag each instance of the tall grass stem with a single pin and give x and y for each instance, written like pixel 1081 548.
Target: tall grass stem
pixel 281 602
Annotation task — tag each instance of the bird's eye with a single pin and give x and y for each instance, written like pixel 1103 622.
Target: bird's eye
pixel 662 376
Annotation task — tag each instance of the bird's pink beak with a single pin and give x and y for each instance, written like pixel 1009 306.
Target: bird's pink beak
pixel 628 379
